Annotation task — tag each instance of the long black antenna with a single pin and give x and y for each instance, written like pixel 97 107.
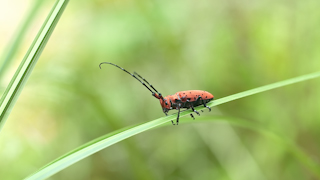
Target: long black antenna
pixel 146 82
pixel 153 93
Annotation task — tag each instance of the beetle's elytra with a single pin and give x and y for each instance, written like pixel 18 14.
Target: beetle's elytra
pixel 182 99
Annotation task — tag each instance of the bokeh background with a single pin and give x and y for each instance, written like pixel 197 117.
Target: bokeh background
pixel 223 47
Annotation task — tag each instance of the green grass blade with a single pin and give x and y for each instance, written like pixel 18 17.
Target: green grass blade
pixel 112 138
pixel 23 72
pixel 15 44
pixel 264 88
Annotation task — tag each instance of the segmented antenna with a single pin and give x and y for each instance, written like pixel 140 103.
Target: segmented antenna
pixel 146 82
pixel 153 93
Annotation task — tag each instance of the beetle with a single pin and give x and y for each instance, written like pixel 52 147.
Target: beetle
pixel 182 99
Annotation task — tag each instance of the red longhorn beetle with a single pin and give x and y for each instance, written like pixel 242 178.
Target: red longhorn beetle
pixel 181 99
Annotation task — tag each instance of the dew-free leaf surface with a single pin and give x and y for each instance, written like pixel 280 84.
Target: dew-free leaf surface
pixel 26 66
pixel 114 137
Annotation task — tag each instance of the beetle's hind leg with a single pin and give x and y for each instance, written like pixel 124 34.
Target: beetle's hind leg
pixel 195 110
pixel 192 116
pixel 204 103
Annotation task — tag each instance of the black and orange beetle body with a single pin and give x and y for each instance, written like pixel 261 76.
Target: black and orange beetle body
pixel 182 99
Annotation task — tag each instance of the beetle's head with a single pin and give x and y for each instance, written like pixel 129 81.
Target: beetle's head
pixel 165 104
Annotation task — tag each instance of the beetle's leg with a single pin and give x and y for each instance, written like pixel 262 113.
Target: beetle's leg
pixel 171 120
pixel 201 110
pixel 178 113
pixel 195 110
pixel 190 105
pixel 204 103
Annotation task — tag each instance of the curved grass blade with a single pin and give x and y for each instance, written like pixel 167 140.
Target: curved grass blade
pixel 16 42
pixel 264 88
pixel 23 72
pixel 112 138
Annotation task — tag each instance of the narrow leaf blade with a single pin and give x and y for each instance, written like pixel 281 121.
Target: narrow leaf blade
pixel 16 42
pixel 23 72
pixel 112 138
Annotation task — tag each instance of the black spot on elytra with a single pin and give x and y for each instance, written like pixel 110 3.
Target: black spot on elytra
pixel 184 93
pixel 190 92
pixel 206 96
pixel 194 98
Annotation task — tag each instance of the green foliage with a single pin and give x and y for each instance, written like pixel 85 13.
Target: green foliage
pixel 223 47
pixel 115 137
pixel 16 43
pixel 23 72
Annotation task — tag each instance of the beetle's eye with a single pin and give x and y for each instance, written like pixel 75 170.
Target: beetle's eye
pixel 166 102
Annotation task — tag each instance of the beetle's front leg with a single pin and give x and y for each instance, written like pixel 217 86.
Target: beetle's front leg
pixel 167 115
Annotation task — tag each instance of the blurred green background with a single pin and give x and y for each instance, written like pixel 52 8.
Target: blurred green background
pixel 223 47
